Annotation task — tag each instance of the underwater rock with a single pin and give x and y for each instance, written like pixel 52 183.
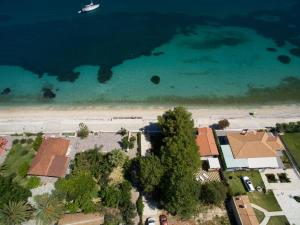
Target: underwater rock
pixel 155 79
pixel 48 93
pixel 295 51
pixel 6 91
pixel 157 53
pixel 271 49
pixel 284 59
pixel 104 74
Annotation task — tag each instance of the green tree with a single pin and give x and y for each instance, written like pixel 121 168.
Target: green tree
pixel 213 193
pixel 79 190
pixel 180 194
pixel 48 209
pixel 126 207
pixel 149 172
pixel 94 162
pixel 14 213
pixel 83 131
pixel 33 182
pixel 178 148
pixel 179 155
pixel 223 124
pixel 12 191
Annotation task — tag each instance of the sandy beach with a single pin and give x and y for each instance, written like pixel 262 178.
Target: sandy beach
pixel 57 120
pixel 66 119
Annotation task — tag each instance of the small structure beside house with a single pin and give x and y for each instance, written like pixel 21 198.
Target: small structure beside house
pixel 243 211
pixel 52 158
pixel 250 149
pixel 208 149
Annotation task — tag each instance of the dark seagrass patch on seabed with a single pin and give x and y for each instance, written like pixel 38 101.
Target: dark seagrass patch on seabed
pixel 155 79
pixel 284 59
pixel 6 91
pixel 48 93
pixel 295 51
pixel 271 49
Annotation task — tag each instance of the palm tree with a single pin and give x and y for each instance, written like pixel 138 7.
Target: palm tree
pixel 48 209
pixel 14 213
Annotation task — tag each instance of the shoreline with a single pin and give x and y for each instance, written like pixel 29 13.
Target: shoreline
pixel 51 119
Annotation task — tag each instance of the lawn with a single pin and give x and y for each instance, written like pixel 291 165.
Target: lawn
pixel 266 200
pixel 236 187
pixel 260 215
pixel 278 220
pixel 18 161
pixel 292 141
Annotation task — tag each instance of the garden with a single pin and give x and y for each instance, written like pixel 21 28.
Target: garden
pixel 263 199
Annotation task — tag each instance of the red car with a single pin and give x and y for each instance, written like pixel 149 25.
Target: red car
pixel 163 220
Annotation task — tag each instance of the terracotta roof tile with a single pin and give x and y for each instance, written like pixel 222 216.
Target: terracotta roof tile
pixel 206 142
pixel 253 144
pixel 51 159
pixel 245 211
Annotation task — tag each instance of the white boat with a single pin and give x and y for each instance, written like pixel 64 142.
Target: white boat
pixel 89 7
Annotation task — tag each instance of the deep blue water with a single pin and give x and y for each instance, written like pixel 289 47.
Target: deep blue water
pixel 50 40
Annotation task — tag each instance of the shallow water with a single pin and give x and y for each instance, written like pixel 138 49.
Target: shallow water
pixel 204 52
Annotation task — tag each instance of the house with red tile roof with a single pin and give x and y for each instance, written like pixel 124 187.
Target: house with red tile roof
pixel 206 142
pixel 251 149
pixel 51 159
pixel 207 147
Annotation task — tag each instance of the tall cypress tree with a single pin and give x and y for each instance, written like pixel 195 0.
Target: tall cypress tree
pixel 179 155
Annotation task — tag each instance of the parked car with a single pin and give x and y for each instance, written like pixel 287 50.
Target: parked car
pixel 163 220
pixel 248 184
pixel 151 221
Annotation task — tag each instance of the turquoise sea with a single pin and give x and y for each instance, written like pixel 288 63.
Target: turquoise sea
pixel 191 52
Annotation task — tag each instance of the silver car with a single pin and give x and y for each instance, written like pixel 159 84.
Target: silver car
pixel 248 184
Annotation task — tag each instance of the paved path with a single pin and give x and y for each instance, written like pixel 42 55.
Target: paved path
pixel 267 213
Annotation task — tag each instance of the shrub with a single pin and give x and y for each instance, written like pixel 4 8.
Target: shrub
pixel 283 178
pixel 271 178
pixel 23 169
pixel 125 142
pixel 23 141
pixel 33 182
pixel 38 141
pixel 223 124
pixel 122 131
pixel 140 206
pixel 83 131
pixel 15 141
pixel 110 196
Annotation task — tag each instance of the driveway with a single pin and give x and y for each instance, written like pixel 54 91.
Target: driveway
pixel 284 193
pixel 108 140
